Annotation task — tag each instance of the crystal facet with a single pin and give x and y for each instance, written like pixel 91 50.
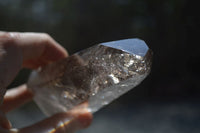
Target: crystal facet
pixel 98 75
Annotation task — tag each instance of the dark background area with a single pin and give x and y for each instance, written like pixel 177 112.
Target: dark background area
pixel 169 27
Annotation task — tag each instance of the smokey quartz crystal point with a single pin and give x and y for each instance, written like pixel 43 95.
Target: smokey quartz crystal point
pixel 98 75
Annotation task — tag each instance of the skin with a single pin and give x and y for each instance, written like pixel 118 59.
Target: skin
pixel 32 50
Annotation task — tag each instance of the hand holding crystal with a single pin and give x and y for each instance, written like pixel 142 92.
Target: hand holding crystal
pixel 32 50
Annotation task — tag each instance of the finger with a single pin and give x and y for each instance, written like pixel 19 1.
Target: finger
pixel 61 123
pixel 29 50
pixel 16 97
pixel 37 48
pixel 10 63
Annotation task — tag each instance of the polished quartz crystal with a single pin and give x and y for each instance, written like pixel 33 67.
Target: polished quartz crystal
pixel 97 75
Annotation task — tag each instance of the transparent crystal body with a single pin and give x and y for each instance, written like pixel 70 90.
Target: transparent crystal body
pixel 98 75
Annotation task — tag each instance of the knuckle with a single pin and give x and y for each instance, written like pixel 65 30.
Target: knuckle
pixel 4 34
pixel 5 37
pixel 8 37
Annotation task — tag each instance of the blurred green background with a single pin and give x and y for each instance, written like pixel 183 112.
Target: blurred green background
pixel 168 100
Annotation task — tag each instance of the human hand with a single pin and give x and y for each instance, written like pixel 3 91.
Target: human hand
pixel 32 50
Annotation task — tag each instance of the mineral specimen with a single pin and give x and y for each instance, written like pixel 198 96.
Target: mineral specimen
pixel 98 75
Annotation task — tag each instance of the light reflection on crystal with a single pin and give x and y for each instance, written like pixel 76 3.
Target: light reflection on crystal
pixel 129 63
pixel 104 103
pixel 115 79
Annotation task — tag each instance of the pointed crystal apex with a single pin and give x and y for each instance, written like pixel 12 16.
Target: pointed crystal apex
pixel 97 75
pixel 132 46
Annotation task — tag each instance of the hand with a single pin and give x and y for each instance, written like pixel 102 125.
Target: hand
pixel 32 50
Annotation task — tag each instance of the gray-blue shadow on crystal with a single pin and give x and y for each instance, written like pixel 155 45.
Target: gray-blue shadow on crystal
pixel 132 46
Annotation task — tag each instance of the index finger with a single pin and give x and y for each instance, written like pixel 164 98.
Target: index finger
pixel 38 49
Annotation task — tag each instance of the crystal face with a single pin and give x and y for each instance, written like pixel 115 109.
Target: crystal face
pixel 98 75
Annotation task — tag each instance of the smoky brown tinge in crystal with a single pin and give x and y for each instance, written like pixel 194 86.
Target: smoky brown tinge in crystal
pixel 98 75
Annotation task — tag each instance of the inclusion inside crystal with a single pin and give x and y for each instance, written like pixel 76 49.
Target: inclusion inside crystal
pixel 98 75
